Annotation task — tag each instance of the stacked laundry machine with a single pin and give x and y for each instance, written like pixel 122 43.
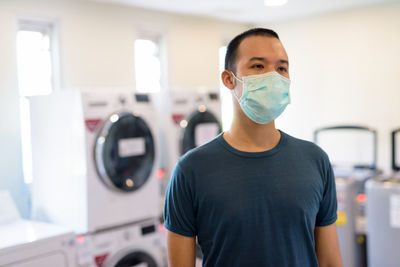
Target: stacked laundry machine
pixel 190 118
pixel 95 162
pixel 194 119
pixel 352 151
pixel 383 214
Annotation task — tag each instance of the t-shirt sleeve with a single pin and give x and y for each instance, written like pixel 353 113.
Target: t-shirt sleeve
pixel 179 214
pixel 327 213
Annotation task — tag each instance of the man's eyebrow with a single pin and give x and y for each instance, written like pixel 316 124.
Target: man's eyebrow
pixel 257 58
pixel 282 61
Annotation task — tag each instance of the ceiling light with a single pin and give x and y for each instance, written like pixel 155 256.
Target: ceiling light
pixel 275 2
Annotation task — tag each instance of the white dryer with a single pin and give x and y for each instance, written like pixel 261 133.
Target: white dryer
pixel 195 118
pixel 95 159
pixel 130 245
pixel 26 243
pixel 32 244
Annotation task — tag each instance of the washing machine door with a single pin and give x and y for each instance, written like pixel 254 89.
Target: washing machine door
pixel 124 152
pixel 134 258
pixel 202 126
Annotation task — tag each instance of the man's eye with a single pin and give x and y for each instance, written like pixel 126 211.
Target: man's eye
pixel 258 66
pixel 282 69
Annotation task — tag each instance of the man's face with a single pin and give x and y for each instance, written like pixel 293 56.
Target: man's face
pixel 261 54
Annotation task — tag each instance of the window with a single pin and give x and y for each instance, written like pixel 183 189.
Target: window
pixel 226 95
pixel 148 64
pixel 34 58
pixel 35 77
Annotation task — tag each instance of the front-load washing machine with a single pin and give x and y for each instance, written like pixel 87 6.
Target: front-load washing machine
pixel 383 213
pixel 95 159
pixel 194 119
pixel 25 243
pixel 129 245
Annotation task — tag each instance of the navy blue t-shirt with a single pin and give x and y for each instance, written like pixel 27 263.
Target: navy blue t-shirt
pixel 252 208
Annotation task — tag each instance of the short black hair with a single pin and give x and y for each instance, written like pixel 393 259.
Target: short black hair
pixel 231 51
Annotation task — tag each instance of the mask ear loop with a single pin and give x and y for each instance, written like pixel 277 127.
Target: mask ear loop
pixel 234 92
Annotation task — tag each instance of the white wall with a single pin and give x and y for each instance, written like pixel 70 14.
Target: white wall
pixel 96 50
pixel 345 70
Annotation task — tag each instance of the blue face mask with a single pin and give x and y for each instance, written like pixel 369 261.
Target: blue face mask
pixel 264 96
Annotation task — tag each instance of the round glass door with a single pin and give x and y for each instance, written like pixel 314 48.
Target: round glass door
pixel 124 152
pixel 201 128
pixel 137 258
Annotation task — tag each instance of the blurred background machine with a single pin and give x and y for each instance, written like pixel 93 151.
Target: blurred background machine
pixel 194 118
pixel 95 159
pixel 383 214
pixel 352 152
pixel 129 245
pixel 25 243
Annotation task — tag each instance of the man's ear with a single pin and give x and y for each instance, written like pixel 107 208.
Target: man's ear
pixel 228 80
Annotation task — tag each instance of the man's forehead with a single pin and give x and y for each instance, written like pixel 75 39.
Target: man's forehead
pixel 261 47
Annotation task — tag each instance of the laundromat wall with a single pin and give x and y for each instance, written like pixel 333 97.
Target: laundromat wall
pixel 96 44
pixel 344 67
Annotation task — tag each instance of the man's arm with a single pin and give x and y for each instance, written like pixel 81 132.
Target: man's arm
pixel 181 250
pixel 327 246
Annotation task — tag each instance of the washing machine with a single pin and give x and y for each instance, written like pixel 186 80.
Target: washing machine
pixel 129 245
pixel 352 152
pixel 194 119
pixel 94 159
pixel 25 243
pixel 383 214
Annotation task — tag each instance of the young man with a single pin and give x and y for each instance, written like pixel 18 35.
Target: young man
pixel 254 196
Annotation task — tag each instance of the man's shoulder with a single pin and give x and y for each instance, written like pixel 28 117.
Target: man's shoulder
pixel 201 154
pixel 306 147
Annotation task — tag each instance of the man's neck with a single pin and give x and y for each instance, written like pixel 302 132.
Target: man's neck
pixel 246 135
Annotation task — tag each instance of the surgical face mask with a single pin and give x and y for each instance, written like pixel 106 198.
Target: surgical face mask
pixel 264 96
